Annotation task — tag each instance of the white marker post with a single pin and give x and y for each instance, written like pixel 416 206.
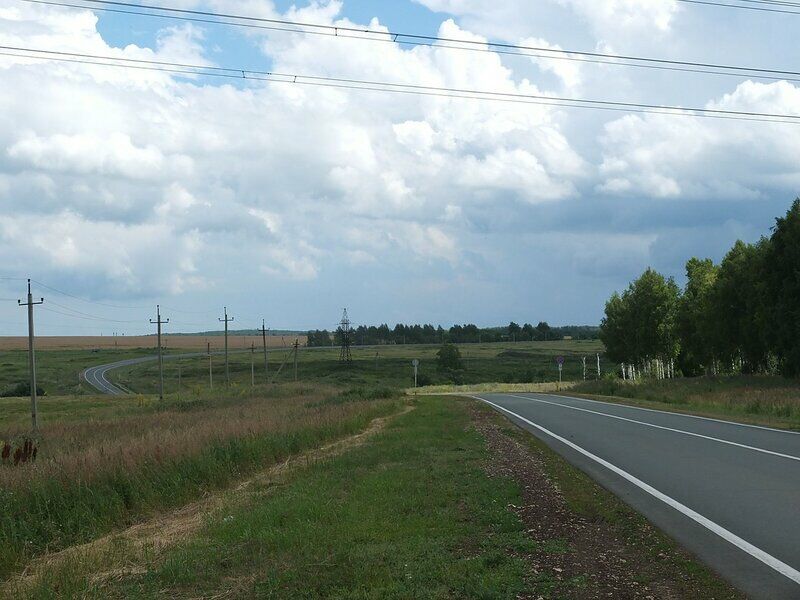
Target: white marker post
pixel 415 364
pixel 560 361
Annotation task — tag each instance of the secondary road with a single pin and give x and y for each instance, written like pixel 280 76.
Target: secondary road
pixel 728 492
pixel 96 376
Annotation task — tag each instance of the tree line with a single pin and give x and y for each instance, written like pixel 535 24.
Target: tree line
pixel 457 334
pixel 739 316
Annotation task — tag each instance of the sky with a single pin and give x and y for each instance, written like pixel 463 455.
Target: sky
pixel 121 189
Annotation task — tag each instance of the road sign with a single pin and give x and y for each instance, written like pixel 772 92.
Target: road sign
pixel 415 362
pixel 560 360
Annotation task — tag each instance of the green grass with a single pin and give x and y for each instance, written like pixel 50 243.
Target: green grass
pixel 409 515
pixel 523 362
pixel 103 465
pixel 58 371
pixel 764 400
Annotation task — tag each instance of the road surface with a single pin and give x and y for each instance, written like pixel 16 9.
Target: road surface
pixel 729 493
pixel 96 376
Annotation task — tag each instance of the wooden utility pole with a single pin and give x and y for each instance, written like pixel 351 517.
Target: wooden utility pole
pixel 252 364
pixel 32 358
pixel 264 340
pixel 159 323
pixel 296 347
pixel 226 320
pixel 210 370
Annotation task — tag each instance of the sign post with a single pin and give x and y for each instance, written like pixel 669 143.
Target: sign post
pixel 415 364
pixel 560 361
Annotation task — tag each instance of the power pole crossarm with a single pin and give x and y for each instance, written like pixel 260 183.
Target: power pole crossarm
pixel 159 322
pixel 32 357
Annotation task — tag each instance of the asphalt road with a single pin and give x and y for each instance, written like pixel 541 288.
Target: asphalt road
pixel 729 493
pixel 96 376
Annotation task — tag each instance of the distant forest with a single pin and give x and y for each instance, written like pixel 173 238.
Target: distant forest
pixel 740 316
pixel 458 334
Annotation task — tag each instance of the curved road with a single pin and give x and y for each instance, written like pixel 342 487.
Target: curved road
pixel 96 376
pixel 728 492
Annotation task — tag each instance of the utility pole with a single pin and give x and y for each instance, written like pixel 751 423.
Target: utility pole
pixel 159 322
pixel 32 357
pixel 226 320
pixel 252 364
pixel 210 370
pixel 296 347
pixel 264 339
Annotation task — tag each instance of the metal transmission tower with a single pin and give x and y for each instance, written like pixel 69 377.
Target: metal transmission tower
pixel 32 357
pixel 159 322
pixel 346 333
pixel 226 320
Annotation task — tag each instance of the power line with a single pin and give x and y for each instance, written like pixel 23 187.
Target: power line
pixel 741 6
pixel 399 88
pixel 63 293
pixel 429 41
pixel 83 314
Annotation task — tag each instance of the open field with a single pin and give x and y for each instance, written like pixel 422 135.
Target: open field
pixel 758 399
pixel 485 518
pixel 104 464
pixel 121 342
pixel 385 365
pixel 58 370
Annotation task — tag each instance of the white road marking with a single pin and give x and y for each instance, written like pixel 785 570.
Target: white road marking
pixel 769 560
pixel 678 414
pixel 646 424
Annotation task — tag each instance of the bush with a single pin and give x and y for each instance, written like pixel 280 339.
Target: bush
pixel 20 390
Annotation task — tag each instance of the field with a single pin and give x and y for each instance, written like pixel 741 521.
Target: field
pixel 104 463
pixel 58 370
pixel 386 365
pixel 177 342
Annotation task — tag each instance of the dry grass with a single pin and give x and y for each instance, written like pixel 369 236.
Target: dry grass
pixel 127 552
pixel 178 342
pixel 81 451
pixel 94 475
pixel 485 388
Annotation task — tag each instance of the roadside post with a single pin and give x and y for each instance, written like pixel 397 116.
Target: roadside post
pixel 560 361
pixel 415 364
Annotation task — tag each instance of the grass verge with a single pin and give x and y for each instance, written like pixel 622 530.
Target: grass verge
pixel 411 514
pixel 759 400
pixel 93 476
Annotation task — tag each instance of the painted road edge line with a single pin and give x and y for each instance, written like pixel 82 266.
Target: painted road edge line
pixel 654 426
pixel 667 412
pixel 769 560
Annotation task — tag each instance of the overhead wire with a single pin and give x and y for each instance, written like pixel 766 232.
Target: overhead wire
pixel 392 87
pixel 427 40
pixel 67 294
pixel 746 7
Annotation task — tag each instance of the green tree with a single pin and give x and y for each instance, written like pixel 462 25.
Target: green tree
pixel 782 301
pixel 639 325
pixel 694 318
pixel 448 358
pixel 737 326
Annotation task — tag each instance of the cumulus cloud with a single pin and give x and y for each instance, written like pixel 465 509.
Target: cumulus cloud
pixel 669 157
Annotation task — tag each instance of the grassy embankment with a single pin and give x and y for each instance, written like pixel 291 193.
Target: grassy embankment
pixel 763 400
pixel 105 463
pixel 411 513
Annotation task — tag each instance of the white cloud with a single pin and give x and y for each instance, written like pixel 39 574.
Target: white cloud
pixel 671 157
